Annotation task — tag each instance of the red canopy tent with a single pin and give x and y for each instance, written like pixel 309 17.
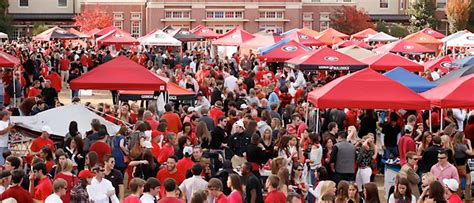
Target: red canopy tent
pixel 175 92
pixel 366 89
pixel 284 51
pixel 360 44
pixel 389 61
pixel 260 40
pixel 335 33
pixel 404 46
pixel 453 94
pixel 443 63
pixel 104 31
pixel 7 60
pixel 234 37
pixel 117 37
pixel 425 40
pixel 326 59
pixel 79 34
pixel 433 33
pixel 205 32
pixel 120 73
pixel 93 31
pixel 308 32
pixel 364 34
pixel 304 39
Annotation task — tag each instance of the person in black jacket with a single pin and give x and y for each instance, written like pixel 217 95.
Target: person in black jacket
pixel 430 156
pixel 49 94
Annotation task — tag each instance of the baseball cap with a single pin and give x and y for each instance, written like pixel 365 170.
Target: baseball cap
pixel 240 123
pixel 147 144
pixel 199 94
pixel 243 106
pixel 47 129
pixel 452 184
pixel 191 109
pixel 85 174
pixel 408 128
pixel 188 150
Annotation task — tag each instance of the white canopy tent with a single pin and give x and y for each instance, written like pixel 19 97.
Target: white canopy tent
pixel 465 40
pixel 356 52
pixel 381 37
pixel 59 118
pixel 454 36
pixel 159 38
pixel 3 35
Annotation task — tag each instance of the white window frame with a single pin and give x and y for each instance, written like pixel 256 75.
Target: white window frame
pixel 278 29
pixel 178 14
pixel 120 26
pixel 272 14
pixel 59 5
pixel 217 14
pixel 324 18
pixel 27 2
pixel 441 2
pixel 383 2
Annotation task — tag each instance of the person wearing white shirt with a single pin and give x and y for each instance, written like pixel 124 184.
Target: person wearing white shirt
pixel 152 191
pixel 230 82
pixel 201 102
pixel 193 184
pixel 5 128
pixel 101 190
pixel 460 115
pixel 193 65
pixel 435 75
pixel 59 189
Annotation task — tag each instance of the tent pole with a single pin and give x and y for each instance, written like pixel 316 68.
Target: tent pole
pixel 431 125
pixel 307 113
pixel 14 88
pixel 441 119
pixel 317 120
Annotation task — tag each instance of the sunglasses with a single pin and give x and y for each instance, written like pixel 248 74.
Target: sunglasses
pixel 300 169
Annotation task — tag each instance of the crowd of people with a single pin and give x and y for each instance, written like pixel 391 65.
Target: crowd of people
pixel 249 137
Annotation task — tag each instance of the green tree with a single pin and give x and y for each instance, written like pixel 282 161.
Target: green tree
pixel 422 15
pixel 398 31
pixel 5 20
pixel 381 26
pixel 39 28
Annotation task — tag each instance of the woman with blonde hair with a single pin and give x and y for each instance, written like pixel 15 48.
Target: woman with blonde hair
pixel 352 136
pixel 426 180
pixel 70 178
pixel 326 187
pixel 277 163
pixel 446 144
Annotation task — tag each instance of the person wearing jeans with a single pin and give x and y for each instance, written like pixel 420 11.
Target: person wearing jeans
pixel 5 128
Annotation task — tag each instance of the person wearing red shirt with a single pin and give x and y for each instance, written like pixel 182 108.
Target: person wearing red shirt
pixel 64 65
pixel 450 189
pixel 55 79
pixel 149 118
pixel 216 112
pixel 170 187
pixel 170 172
pixel 34 90
pixel 406 144
pixel 15 190
pixel 101 147
pixel 186 162
pixel 274 195
pixel 84 62
pixel 41 141
pixel 173 119
pixel 44 187
pixel 137 186
pixel 215 190
pixel 168 148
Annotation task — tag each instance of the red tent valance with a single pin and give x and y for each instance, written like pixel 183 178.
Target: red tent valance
pixel 7 60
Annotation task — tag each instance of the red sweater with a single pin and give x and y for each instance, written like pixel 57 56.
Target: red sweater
pixel 275 196
pixel 406 144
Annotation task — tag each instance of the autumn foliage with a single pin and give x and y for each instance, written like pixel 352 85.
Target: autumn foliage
pixel 349 20
pixel 91 18
pixel 458 14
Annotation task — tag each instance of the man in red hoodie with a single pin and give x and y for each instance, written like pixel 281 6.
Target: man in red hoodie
pixel 274 195
pixel 216 111
pixel 55 79
pixel 406 144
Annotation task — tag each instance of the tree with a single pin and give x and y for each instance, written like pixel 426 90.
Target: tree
pixel 5 20
pixel 91 18
pixel 422 15
pixel 39 28
pixel 349 20
pixel 458 14
pixel 381 26
pixel 398 31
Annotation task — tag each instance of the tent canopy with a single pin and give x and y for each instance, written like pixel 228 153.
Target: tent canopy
pixel 205 32
pixel 404 46
pixel 59 118
pixel 464 40
pixel 356 52
pixel 7 60
pixel 443 63
pixel 464 62
pixel 381 37
pixel 55 33
pixel 116 75
pixel 158 38
pixel 366 89
pixel 283 50
pixel 92 32
pixel 389 61
pixel 175 92
pixel 234 37
pixel 334 33
pixel 432 33
pixel 454 94
pixel 308 32
pixel 168 29
pixel 454 36
pixel 260 40
pixel 364 34
pixel 186 36
pixel 304 39
pixel 79 34
pixel 104 31
pixel 351 42
pixel 3 35
pixel 455 74
pixel 117 37
pixel 422 38
pixel 410 80
pixel 326 59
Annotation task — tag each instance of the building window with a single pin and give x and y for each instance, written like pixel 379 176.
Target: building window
pixel 402 4
pixel 135 28
pixel 347 1
pixel 62 3
pixel 278 29
pixel 17 33
pixel 24 3
pixel 272 14
pixel 118 20
pixel 440 4
pixel 323 21
pixel 383 3
pixel 225 14
pixel 177 14
pixel 308 24
pixel 221 29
